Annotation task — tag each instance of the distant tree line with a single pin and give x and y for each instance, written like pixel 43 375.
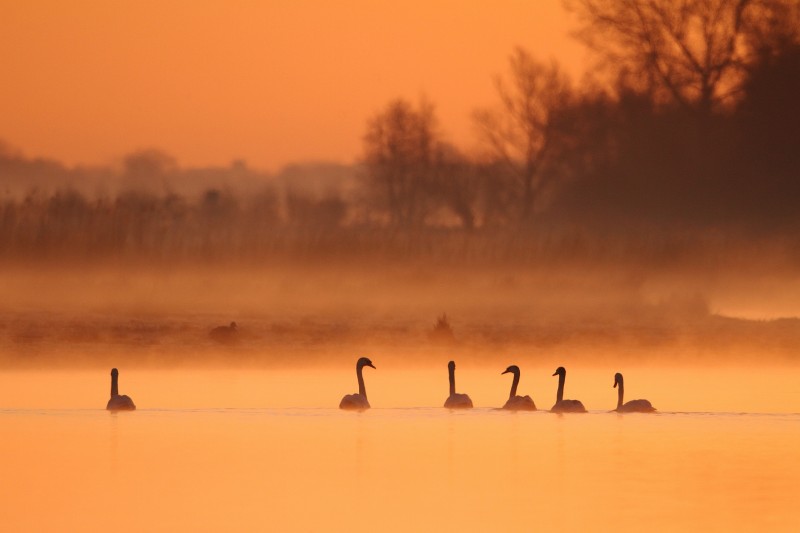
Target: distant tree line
pixel 689 125
pixel 692 120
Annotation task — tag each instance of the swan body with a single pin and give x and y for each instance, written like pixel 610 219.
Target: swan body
pixel 118 402
pixel 568 406
pixel 121 402
pixel 224 334
pixel 520 403
pixel 516 402
pixel 359 400
pixel 456 400
pixel 636 406
pixel 633 406
pixel 354 401
pixel 562 405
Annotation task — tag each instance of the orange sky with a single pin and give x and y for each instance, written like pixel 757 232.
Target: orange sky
pixel 269 81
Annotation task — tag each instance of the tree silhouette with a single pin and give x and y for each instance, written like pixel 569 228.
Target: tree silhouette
pixel 690 52
pixel 402 150
pixel 520 133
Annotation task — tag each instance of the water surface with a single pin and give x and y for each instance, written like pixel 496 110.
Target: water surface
pixel 396 469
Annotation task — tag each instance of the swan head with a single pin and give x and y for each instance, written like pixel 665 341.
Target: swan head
pixel 451 366
pixel 233 326
pixel 514 369
pixel 617 379
pixel 560 371
pixel 114 372
pixel 364 361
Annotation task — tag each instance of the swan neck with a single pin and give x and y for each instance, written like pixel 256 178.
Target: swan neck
pixel 114 386
pixel 514 385
pixel 361 389
pixel 620 394
pixel 452 372
pixel 560 394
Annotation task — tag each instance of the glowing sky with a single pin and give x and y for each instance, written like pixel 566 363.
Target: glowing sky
pixel 270 82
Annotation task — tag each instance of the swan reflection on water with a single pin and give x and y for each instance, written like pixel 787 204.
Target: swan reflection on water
pixel 358 401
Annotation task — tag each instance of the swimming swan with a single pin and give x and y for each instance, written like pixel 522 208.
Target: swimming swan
pixel 224 334
pixel 517 403
pixel 455 400
pixel 358 401
pixel 118 402
pixel 633 406
pixel 562 405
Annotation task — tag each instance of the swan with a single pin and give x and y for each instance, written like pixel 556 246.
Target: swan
pixel 562 405
pixel 118 402
pixel 633 406
pixel 517 403
pixel 455 400
pixel 224 334
pixel 358 401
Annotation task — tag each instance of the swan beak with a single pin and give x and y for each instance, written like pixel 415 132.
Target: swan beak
pixel 555 373
pixel 504 372
pixel 615 384
pixel 371 366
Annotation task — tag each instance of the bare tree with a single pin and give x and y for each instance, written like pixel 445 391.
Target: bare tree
pixel 520 132
pixel 148 169
pixel 306 210
pixel 691 52
pixel 401 151
pixel 773 28
pixel 457 184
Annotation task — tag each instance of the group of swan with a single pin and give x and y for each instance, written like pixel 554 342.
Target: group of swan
pixel 515 403
pixel 358 401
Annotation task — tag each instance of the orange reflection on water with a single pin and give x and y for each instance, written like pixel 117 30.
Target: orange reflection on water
pixel 251 466
pixel 394 470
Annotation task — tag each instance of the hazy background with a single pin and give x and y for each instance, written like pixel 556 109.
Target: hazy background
pixel 557 181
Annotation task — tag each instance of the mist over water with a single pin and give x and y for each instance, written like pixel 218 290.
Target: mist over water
pixel 327 314
pixel 245 434
pixel 642 221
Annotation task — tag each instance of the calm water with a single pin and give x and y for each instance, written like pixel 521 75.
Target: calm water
pixel 389 469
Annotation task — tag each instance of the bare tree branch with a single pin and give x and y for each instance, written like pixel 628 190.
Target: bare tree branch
pixel 517 132
pixel 688 51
